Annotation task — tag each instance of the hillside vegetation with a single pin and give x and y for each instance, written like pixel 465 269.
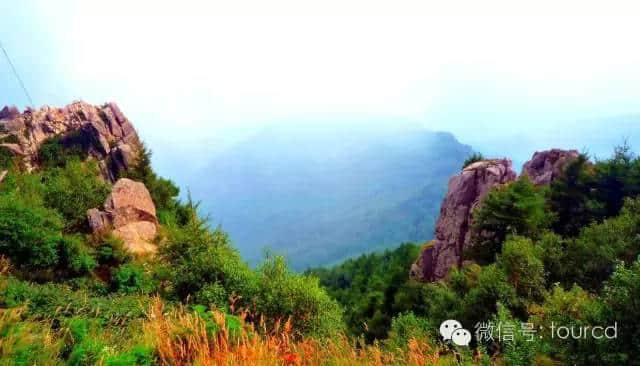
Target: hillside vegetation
pixel 70 297
pixel 560 254
pixel 565 255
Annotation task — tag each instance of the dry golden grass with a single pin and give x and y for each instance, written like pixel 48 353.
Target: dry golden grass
pixel 179 337
pixel 182 338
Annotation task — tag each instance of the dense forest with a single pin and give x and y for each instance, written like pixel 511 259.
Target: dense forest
pixel 560 254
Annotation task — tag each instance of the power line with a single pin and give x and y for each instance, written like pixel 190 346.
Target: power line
pixel 15 72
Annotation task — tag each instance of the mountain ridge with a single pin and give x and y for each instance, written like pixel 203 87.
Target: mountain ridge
pixel 330 187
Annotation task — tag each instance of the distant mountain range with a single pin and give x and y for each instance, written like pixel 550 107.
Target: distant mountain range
pixel 319 195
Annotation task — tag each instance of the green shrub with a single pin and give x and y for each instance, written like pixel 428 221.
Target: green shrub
pixel 521 261
pixel 58 301
pixel 72 190
pixel 574 309
pixel 570 197
pixel 111 251
pixel 202 265
pixel 85 350
pixel 490 288
pixel 554 251
pixel 57 151
pixel 588 193
pixel 284 294
pixel 139 355
pixel 591 258
pixel 433 302
pixel 28 187
pixel 29 235
pixel 92 285
pixel 517 347
pixel 195 257
pixel 213 294
pixel 6 158
pixel 231 323
pixel 132 278
pixel 407 326
pixel 75 256
pixel 621 294
pixel 518 208
pixel 616 179
pixel 474 158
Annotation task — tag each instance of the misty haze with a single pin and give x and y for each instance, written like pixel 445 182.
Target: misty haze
pixel 318 183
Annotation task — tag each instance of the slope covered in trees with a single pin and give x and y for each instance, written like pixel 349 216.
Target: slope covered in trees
pixel 564 255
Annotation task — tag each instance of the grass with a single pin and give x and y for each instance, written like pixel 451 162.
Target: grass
pixel 184 338
pixel 178 335
pixel 181 336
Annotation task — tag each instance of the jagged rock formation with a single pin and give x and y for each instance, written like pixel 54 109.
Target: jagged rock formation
pixel 452 229
pixel 129 214
pixel 547 165
pixel 108 137
pixel 104 132
pixel 466 190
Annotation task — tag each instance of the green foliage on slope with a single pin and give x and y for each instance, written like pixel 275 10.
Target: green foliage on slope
pixel 88 297
pixel 564 255
pixel 368 286
pixel 6 158
pixel 72 190
pixel 58 151
pixel 518 208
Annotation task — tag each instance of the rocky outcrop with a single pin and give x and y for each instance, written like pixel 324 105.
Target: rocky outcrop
pixel 545 166
pixel 102 131
pixel 466 190
pixel 129 214
pixel 452 235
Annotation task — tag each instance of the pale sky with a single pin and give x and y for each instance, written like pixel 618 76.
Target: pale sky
pixel 188 71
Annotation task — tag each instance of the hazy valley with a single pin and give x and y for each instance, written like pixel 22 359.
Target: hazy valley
pixel 319 194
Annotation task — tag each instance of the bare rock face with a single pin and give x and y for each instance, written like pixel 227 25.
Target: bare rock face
pixel 103 131
pixel 466 190
pixel 129 214
pixel 130 201
pixel 137 237
pixel 545 166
